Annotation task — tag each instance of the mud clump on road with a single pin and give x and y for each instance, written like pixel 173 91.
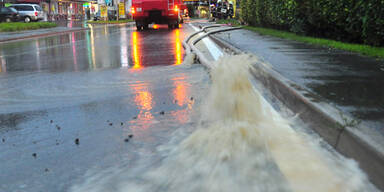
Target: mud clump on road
pixel 77 141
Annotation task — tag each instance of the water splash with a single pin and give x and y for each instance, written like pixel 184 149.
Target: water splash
pixel 241 144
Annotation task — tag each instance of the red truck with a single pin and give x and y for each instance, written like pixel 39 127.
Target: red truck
pixel 145 12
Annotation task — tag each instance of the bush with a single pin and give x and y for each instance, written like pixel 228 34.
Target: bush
pixel 358 21
pixel 17 26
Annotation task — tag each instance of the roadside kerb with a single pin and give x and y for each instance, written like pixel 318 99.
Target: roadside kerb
pixel 41 35
pixel 323 118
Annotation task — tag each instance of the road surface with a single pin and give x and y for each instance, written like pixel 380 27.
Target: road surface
pixel 95 111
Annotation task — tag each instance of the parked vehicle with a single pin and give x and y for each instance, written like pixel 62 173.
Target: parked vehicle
pixel 223 10
pixel 8 14
pixel 145 12
pixel 29 12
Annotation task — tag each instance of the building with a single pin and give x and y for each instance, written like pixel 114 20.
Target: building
pixel 63 9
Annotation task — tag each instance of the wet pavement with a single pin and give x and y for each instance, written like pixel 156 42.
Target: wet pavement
pixel 348 81
pixel 89 100
pixel 111 103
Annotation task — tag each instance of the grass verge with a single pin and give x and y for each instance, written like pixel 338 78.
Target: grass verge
pixel 18 26
pixel 233 22
pixel 358 48
pixel 110 22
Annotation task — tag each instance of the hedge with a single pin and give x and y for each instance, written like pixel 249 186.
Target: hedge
pixel 19 26
pixel 357 21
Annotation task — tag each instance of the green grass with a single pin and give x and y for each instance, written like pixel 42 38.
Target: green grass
pixel 358 48
pixel 19 26
pixel 111 22
pixel 233 22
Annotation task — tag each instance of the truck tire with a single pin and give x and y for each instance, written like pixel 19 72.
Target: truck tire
pixel 145 27
pixel 139 25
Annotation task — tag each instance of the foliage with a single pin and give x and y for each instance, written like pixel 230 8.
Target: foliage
pixel 362 49
pixel 111 21
pixel 233 22
pixel 359 21
pixel 18 26
pixel 191 10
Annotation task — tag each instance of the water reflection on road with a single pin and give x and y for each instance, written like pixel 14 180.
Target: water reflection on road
pixel 100 47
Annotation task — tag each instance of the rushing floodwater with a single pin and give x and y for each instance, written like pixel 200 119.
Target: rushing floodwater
pixel 241 144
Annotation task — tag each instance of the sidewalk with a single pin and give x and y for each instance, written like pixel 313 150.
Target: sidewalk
pixel 348 81
pixel 12 36
pixel 326 79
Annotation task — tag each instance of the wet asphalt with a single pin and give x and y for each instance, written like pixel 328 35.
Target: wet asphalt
pixel 348 81
pixel 84 101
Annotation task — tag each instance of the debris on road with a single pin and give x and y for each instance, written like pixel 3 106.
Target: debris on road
pixel 34 155
pixel 110 124
pixel 77 141
pixel 162 113
pixel 129 137
pixel 58 127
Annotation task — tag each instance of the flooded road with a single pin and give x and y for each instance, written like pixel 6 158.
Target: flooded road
pixel 69 103
pixel 113 109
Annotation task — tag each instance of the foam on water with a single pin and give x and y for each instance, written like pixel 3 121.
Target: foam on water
pixel 241 144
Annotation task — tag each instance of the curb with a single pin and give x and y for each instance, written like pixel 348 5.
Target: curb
pixel 41 35
pixel 127 23
pixel 322 118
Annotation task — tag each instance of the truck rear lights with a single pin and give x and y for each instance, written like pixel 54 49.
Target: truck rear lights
pixel 132 10
pixel 176 8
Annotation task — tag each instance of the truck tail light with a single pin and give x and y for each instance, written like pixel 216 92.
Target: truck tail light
pixel 133 10
pixel 36 13
pixel 176 8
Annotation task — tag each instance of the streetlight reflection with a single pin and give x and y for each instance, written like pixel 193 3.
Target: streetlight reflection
pixel 180 94
pixel 136 50
pixel 144 102
pixel 178 50
pixel 124 47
